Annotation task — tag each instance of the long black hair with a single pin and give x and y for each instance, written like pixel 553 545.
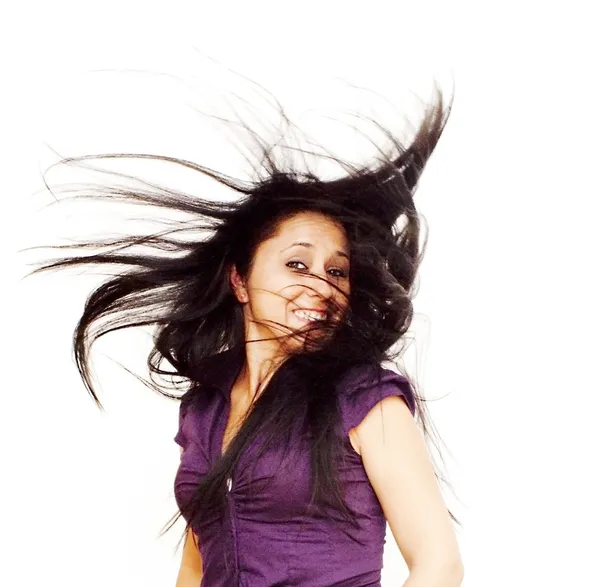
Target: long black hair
pixel 182 288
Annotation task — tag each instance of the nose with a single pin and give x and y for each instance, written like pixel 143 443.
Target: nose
pixel 320 286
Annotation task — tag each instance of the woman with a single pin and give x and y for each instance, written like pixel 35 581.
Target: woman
pixel 296 444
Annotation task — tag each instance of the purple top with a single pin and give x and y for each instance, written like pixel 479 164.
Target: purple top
pixel 267 539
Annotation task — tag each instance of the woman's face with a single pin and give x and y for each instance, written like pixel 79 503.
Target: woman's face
pixel 279 289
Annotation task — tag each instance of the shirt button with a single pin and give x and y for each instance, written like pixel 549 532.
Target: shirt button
pixel 228 483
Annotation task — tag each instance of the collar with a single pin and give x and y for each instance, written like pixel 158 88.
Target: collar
pixel 221 370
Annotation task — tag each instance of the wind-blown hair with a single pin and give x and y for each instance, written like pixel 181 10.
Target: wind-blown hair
pixel 186 294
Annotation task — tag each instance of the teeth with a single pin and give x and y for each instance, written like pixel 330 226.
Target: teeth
pixel 308 315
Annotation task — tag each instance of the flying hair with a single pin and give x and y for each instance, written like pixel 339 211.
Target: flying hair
pixel 180 287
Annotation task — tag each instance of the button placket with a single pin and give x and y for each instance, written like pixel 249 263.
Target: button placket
pixel 231 507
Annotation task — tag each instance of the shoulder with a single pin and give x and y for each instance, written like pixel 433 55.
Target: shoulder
pixel 362 387
pixel 361 379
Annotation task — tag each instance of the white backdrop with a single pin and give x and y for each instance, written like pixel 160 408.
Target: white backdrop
pixel 507 306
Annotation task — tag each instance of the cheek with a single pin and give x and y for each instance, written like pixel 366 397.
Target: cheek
pixel 343 297
pixel 272 295
pixel 281 286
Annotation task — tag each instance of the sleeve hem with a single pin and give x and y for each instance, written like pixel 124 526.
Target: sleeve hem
pixel 365 396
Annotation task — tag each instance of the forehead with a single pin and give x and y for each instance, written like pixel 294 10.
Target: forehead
pixel 314 227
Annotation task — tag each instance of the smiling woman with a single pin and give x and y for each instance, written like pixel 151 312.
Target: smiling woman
pixel 299 276
pixel 297 445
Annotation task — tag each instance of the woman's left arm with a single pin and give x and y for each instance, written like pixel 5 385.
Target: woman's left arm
pixel 398 466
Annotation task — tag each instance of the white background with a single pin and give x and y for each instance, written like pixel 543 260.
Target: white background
pixel 509 288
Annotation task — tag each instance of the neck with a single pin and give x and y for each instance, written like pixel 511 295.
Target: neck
pixel 262 360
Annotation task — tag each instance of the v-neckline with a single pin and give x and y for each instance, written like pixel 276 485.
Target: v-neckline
pixel 223 428
pixel 226 415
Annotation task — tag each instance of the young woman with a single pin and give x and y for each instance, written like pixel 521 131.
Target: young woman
pixel 297 445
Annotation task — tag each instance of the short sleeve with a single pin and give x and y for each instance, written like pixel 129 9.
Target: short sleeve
pixel 364 389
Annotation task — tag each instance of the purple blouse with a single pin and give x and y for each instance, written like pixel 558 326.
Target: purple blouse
pixel 267 539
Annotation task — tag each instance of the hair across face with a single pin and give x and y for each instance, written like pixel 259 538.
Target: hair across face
pixel 299 278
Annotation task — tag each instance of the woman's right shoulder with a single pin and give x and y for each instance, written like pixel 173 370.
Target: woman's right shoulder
pixel 196 397
pixel 194 408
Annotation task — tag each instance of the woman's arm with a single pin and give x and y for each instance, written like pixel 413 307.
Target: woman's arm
pixel 397 463
pixel 435 576
pixel 190 571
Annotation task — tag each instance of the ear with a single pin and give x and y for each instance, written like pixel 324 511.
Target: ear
pixel 237 285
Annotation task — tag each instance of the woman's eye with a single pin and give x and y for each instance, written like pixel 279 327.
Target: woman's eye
pixel 292 263
pixel 337 273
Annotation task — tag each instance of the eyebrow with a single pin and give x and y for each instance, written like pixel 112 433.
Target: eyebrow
pixel 311 246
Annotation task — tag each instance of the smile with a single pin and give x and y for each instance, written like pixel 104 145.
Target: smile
pixel 310 315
